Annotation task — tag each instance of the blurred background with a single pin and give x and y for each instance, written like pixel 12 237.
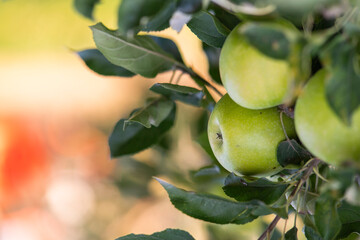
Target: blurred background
pixel 57 180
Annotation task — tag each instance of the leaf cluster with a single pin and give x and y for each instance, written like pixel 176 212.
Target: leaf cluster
pixel 317 194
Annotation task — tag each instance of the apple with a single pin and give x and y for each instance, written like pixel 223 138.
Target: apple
pixel 252 79
pixel 245 141
pixel 320 129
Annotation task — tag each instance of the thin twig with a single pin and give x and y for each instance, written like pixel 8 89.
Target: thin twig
pixel 311 164
pixel 270 228
pixel 172 75
pixel 197 77
pixel 179 77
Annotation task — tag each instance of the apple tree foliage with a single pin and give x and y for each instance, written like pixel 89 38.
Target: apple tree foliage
pixel 319 195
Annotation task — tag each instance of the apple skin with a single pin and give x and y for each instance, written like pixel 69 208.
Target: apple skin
pixel 320 129
pixel 245 141
pixel 252 79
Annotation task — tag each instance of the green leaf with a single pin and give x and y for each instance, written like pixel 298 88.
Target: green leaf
pixel 213 55
pixel 173 234
pixel 267 39
pixel 350 219
pixel 343 85
pixel 226 18
pixel 261 189
pixel 208 207
pixel 212 171
pixel 169 47
pixel 145 15
pixel 184 94
pixel 86 7
pixel 140 54
pixel 152 114
pixel 291 234
pixel 96 61
pixel 189 6
pixel 311 234
pixel 326 217
pixel 135 137
pixel 291 153
pixel 208 29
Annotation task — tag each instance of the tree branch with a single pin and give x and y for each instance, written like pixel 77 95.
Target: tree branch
pixel 270 228
pixel 309 169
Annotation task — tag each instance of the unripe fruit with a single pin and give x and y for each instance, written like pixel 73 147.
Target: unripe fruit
pixel 321 130
pixel 245 141
pixel 252 79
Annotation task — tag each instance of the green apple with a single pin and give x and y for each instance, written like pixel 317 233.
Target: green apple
pixel 252 79
pixel 245 141
pixel 320 130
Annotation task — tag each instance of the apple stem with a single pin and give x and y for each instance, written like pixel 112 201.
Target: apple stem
pixel 313 163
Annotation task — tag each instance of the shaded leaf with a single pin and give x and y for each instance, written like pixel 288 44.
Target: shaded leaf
pixel 208 207
pixel 152 114
pixel 135 137
pixel 189 6
pixel 169 47
pixel 213 55
pixel 291 234
pixel 145 15
pixel 173 234
pixel 184 94
pixel 207 171
pixel 229 20
pixel 208 29
pixel 86 7
pixel 267 39
pixel 261 189
pixel 291 153
pixel 311 234
pixel 343 85
pixel 326 217
pixel 350 219
pixel 96 61
pixel 140 54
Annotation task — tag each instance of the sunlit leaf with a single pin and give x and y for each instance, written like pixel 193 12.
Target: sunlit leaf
pixel 140 54
pixel 152 114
